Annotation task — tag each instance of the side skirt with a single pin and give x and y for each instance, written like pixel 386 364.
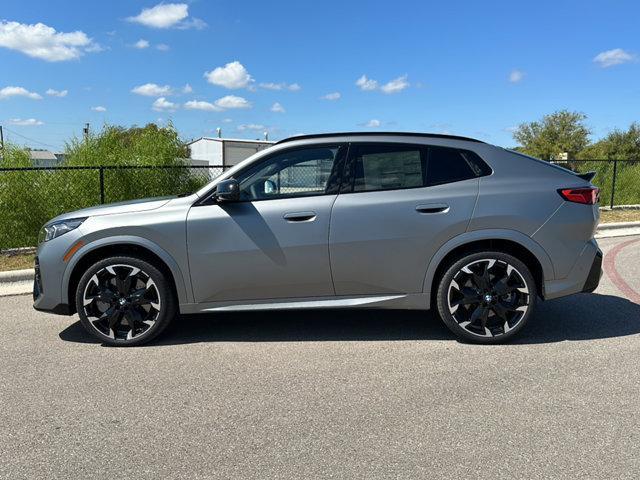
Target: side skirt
pixel 411 302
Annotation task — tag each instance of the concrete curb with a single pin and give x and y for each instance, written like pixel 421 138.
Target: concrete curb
pixel 617 225
pixel 17 275
pixel 618 229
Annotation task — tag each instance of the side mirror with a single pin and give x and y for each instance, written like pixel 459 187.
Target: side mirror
pixel 228 190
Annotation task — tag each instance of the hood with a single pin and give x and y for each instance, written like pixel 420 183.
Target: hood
pixel 130 206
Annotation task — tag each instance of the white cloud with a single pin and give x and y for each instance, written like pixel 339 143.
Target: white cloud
pixel 233 75
pixel 99 108
pixel 251 126
pixel 225 103
pixel 516 76
pixel 141 44
pixel 187 88
pixel 202 105
pixel 57 93
pixel 27 122
pixel 373 123
pixel 152 90
pixel 277 107
pixel 396 85
pixel 331 96
pixel 192 23
pixel 366 83
pixel 617 56
pixel 227 120
pixel 44 42
pixel 231 101
pixel 163 47
pixel 163 105
pixel 7 92
pixel 167 15
pixel 293 87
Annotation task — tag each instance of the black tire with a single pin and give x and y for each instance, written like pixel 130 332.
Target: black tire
pixel 125 301
pixel 486 297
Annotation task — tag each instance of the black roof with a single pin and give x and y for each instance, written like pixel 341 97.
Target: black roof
pixel 377 134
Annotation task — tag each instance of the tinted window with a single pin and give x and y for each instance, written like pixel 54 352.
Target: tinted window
pixel 447 165
pixel 386 167
pixel 293 173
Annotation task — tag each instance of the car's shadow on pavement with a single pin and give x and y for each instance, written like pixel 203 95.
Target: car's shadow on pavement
pixel 580 317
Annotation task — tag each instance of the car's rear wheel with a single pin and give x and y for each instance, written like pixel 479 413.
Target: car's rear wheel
pixel 486 297
pixel 124 301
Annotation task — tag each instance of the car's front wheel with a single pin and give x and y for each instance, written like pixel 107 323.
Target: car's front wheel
pixel 486 297
pixel 124 301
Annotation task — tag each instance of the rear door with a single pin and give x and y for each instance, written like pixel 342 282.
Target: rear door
pixel 398 204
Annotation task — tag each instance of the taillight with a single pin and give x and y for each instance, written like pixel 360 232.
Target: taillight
pixel 587 196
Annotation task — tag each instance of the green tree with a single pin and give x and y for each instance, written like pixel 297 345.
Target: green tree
pixel 139 147
pixel 559 132
pixel 23 200
pixel 135 146
pixel 617 145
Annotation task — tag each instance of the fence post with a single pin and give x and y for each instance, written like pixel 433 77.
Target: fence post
pixel 101 185
pixel 613 182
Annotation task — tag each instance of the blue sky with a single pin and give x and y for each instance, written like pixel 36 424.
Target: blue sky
pixel 461 67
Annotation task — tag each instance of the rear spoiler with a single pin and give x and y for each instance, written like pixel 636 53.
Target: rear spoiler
pixel 587 176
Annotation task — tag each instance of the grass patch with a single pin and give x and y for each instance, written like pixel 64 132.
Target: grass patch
pixel 16 262
pixel 611 216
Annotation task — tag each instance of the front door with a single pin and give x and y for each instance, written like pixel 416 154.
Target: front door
pixel 273 243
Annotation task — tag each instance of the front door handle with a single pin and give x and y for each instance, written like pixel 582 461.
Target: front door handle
pixel 300 216
pixel 433 208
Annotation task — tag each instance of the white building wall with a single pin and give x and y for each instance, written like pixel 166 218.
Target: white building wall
pixel 218 152
pixel 208 150
pixel 235 152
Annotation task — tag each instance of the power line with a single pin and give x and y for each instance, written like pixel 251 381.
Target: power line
pixel 30 139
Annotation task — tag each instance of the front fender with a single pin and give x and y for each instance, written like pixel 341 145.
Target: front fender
pixel 184 294
pixel 489 234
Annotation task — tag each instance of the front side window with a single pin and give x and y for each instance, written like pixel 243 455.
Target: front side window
pixel 294 173
pixel 387 167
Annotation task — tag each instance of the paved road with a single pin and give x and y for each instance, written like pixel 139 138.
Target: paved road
pixel 330 394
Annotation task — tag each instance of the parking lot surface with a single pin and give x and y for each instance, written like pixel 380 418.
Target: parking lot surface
pixel 343 394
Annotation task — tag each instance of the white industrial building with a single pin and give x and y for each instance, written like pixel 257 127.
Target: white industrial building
pixel 224 151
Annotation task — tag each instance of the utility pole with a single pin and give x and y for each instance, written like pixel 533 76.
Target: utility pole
pixel 85 132
pixel 1 142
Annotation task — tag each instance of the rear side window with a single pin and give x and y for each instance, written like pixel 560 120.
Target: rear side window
pixel 446 165
pixel 387 167
pixel 397 166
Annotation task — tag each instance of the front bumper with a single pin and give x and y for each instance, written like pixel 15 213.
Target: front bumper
pixel 40 302
pixel 49 271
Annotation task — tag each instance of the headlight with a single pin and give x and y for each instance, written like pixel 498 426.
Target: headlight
pixel 54 230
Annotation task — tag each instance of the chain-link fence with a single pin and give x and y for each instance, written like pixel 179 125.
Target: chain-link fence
pixel 618 180
pixel 31 196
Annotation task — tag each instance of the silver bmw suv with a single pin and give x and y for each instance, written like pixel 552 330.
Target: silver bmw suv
pixel 359 220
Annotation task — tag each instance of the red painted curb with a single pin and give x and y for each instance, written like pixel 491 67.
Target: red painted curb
pixel 613 274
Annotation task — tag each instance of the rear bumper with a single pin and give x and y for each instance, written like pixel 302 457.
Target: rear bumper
pixel 595 273
pixel 584 276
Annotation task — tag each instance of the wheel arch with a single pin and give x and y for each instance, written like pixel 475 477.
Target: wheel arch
pixel 134 246
pixel 508 241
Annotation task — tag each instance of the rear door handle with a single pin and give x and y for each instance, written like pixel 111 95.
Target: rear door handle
pixel 300 216
pixel 433 208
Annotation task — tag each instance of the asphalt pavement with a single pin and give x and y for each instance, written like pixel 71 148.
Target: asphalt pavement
pixel 330 394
